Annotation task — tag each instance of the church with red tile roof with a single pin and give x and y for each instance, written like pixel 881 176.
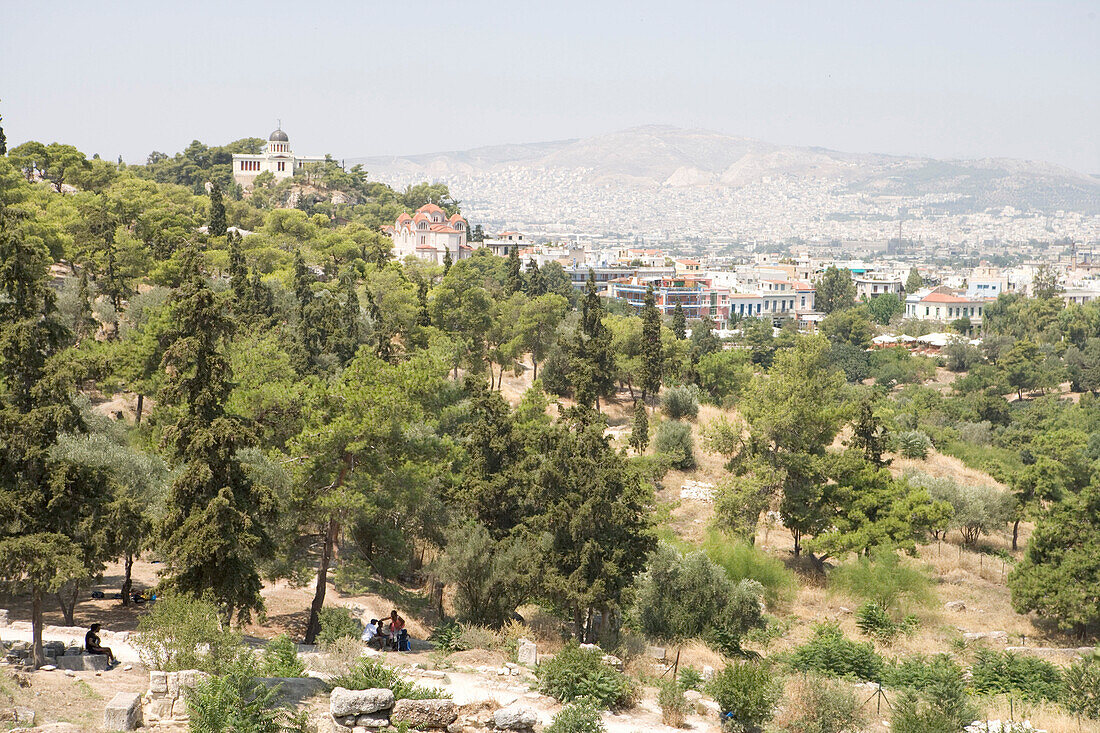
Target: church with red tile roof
pixel 429 234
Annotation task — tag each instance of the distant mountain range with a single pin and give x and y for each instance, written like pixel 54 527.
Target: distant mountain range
pixel 703 162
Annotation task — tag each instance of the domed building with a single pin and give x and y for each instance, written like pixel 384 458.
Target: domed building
pixel 276 157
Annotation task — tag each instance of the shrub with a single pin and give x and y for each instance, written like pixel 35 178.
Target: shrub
pixel 1081 695
pixel 913 444
pixel 923 674
pixel 235 702
pixel 575 673
pixel 680 402
pixel 830 653
pixel 478 637
pixel 820 705
pixel 749 691
pixel 581 716
pixel 338 622
pixel 448 637
pixel 683 596
pixel 883 579
pixel 743 561
pixel 674 706
pixel 674 440
pixel 367 674
pixel 690 679
pixel 486 574
pixel 939 705
pixel 977 508
pixel 280 659
pixel 177 626
pixel 995 673
pixel 874 621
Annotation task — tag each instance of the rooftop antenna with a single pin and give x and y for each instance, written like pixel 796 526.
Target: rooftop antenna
pixel 280 125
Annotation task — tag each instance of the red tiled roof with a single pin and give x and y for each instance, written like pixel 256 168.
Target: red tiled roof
pixel 429 209
pixel 443 229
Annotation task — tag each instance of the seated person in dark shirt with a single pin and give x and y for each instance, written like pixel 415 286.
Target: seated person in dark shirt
pixel 91 644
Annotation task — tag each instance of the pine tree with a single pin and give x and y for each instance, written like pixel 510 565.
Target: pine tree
pixel 869 436
pixel 652 356
pixel 679 322
pixel 639 428
pixel 214 530
pixel 591 361
pixel 86 324
pixel 307 348
pixel 914 282
pixel 514 282
pixel 217 211
pixel 349 340
pixel 447 261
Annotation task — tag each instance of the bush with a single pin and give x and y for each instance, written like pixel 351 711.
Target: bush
pixel 448 637
pixel 749 691
pixel 280 659
pixel 338 622
pixel 874 621
pixel 977 508
pixel 997 673
pixel 674 706
pixel 581 716
pixel 486 574
pixel 674 440
pixel 575 673
pixel 680 597
pixel 1081 695
pixel 923 674
pixel 690 679
pixel 820 705
pixel 913 444
pixel 743 561
pixel 938 704
pixel 170 635
pixel 828 652
pixel 368 674
pixel 679 402
pixel 236 702
pixel 883 579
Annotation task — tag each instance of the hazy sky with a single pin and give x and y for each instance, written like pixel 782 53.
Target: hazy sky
pixel 946 79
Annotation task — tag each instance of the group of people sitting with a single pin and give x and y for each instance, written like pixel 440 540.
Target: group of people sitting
pixel 394 638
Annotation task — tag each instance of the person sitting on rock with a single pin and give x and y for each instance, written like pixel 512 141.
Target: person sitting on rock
pixel 92 646
pixel 372 634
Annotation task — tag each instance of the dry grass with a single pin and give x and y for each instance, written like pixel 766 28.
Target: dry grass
pixel 944 466
pixel 1045 716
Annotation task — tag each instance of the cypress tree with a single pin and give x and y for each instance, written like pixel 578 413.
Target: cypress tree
pixel 238 272
pixel 639 428
pixel 217 211
pixel 536 286
pixel 307 348
pixel 349 342
pixel 3 139
pixel 591 360
pixel 447 261
pixel 679 322
pixel 424 317
pixel 652 359
pixel 514 282
pixel 213 533
pixel 86 323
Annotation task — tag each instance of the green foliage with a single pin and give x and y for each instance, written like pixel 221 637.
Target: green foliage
pixel 821 705
pixel 674 706
pixel 883 308
pixel 977 508
pixel 724 375
pixel 488 575
pixel 280 659
pixel 828 652
pixel 169 636
pixel 835 290
pixel 639 428
pixel 368 674
pixel 690 678
pixel 933 695
pixel 580 716
pixel 913 444
pixel 576 673
pixel 749 690
pixel 338 622
pixel 1082 686
pixel 874 621
pixel 743 561
pixel 234 702
pixel 1007 673
pixel 679 597
pixel 674 439
pixel 680 402
pixel 920 673
pixel 885 580
pixel 850 326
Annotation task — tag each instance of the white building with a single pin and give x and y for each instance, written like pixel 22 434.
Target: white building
pixel 503 243
pixel 868 287
pixel 276 158
pixel 943 304
pixel 429 234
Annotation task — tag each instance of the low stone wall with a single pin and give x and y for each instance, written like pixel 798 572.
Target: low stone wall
pixel 166 700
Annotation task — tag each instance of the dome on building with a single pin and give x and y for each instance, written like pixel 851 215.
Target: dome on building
pixel 279 137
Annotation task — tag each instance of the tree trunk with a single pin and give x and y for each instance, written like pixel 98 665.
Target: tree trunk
pixel 535 371
pixel 140 404
pixel 797 542
pixel 314 625
pixel 128 582
pixel 36 627
pixel 500 377
pixel 66 598
pixel 1015 533
pixel 578 623
pixel 630 387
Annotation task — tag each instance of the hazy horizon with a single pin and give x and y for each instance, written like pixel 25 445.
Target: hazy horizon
pixel 938 79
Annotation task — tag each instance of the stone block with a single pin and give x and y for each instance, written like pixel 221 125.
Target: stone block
pixel 158 682
pixel 656 652
pixel 359 702
pixel 424 713
pixel 708 673
pixel 160 708
pixel 179 708
pixel 123 712
pixel 24 717
pixel 292 690
pixel 4 617
pixel 955 606
pixel 373 721
pixel 173 684
pixel 527 653
pixel 83 662
pixel 514 717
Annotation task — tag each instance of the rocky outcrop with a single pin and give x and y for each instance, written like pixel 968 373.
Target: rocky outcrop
pixel 436 714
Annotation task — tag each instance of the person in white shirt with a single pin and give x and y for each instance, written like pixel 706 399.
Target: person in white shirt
pixel 371 632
